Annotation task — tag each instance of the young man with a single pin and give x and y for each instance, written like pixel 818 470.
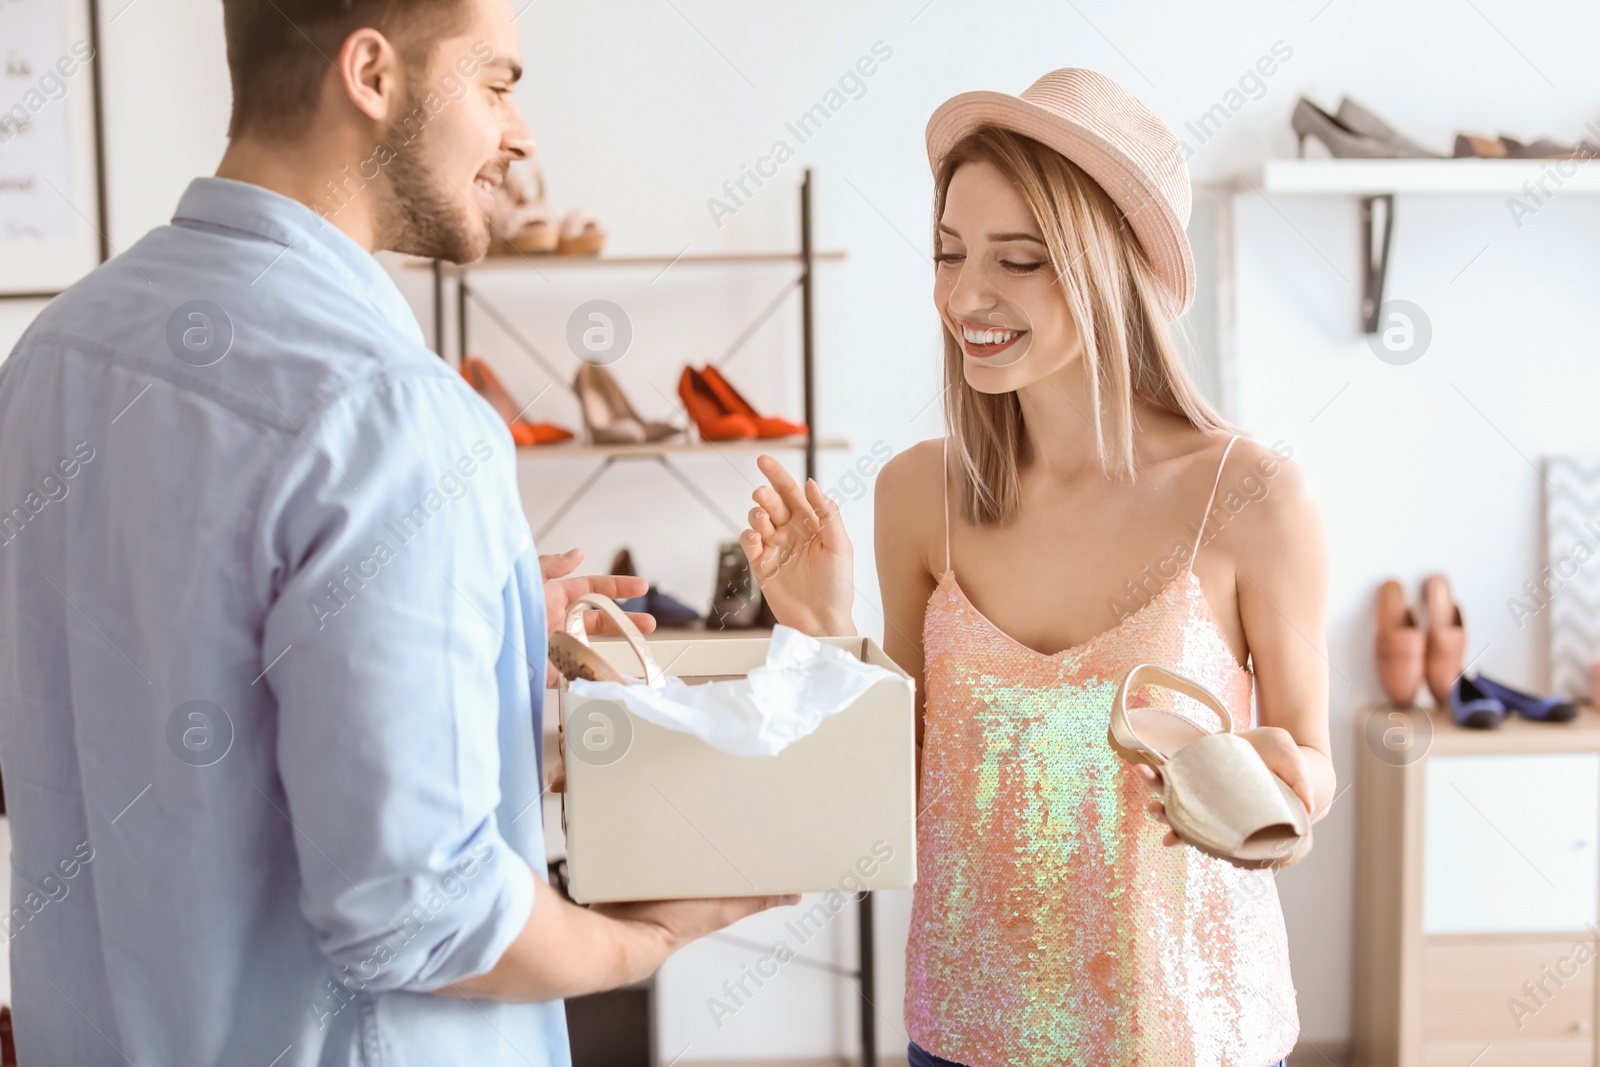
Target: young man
pixel 272 632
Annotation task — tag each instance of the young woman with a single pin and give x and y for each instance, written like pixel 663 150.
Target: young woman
pixel 1086 511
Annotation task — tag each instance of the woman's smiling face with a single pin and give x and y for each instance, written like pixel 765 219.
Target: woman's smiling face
pixel 994 285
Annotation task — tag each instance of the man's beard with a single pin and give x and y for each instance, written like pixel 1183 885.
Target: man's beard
pixel 426 215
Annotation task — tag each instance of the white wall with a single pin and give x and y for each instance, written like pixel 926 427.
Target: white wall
pixel 645 107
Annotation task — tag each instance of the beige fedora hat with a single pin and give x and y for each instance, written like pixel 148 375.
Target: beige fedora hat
pixel 1112 137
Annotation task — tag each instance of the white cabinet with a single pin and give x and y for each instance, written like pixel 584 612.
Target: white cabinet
pixel 1510 843
pixel 1477 889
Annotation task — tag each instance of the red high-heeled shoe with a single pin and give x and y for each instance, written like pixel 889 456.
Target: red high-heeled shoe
pixel 710 415
pixel 487 384
pixel 766 425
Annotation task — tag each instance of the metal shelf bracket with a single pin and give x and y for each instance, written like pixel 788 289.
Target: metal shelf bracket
pixel 1376 212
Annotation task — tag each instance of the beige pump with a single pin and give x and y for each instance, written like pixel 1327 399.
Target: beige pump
pixel 1219 795
pixel 608 414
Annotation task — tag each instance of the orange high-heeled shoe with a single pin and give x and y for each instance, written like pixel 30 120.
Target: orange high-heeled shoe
pixel 766 425
pixel 710 416
pixel 487 384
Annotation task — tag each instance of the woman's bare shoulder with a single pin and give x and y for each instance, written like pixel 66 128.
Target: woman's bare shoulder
pixel 910 495
pixel 1267 498
pixel 916 471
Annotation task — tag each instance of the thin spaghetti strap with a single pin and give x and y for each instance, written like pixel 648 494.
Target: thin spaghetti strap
pixel 944 481
pixel 1205 515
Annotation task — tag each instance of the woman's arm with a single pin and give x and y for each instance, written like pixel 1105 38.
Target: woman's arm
pixel 1274 546
pixel 909 492
pixel 1281 575
pixel 803 559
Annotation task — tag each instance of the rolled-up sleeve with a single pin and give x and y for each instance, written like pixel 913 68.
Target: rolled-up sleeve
pixel 394 532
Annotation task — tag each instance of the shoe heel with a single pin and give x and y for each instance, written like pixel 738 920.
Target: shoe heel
pixel 1129 755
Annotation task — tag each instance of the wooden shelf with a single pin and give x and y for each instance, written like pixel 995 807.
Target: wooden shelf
pixel 582 449
pixel 1515 734
pixel 1383 177
pixel 542 261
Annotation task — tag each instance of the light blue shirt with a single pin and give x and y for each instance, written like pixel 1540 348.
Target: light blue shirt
pixel 272 651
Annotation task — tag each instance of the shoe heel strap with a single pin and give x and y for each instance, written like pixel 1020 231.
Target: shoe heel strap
pixel 1151 674
pixel 654 676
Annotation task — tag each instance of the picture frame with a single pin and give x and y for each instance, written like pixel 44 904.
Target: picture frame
pixel 52 163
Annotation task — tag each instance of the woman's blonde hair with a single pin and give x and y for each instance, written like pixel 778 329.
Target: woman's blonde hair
pixel 1115 301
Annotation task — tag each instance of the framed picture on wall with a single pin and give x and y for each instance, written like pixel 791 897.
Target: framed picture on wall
pixel 52 186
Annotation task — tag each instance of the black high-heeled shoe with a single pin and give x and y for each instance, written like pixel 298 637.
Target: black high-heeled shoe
pixel 737 602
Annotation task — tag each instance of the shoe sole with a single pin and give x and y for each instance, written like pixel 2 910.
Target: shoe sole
pixel 1565 713
pixel 1481 720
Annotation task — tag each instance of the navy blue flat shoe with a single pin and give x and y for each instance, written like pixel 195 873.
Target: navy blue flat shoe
pixel 1539 709
pixel 1471 706
pixel 668 611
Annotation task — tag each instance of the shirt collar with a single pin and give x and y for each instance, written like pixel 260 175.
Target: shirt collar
pixel 257 210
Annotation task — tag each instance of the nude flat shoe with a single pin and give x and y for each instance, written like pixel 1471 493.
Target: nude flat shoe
pixel 1474 146
pixel 1447 638
pixel 1547 148
pixel 1218 793
pixel 522 219
pixel 1399 645
pixel 580 234
pixel 572 655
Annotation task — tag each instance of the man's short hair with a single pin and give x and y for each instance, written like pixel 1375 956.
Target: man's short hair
pixel 279 51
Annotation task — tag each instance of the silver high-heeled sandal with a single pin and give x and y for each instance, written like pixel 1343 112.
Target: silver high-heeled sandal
pixel 1219 795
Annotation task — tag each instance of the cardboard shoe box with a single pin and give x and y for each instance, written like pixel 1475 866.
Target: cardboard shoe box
pixel 656 814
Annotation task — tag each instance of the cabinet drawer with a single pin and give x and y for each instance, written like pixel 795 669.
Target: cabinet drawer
pixel 1510 843
pixel 1520 1053
pixel 1512 992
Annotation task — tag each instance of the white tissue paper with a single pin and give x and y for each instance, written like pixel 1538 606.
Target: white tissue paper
pixel 803 683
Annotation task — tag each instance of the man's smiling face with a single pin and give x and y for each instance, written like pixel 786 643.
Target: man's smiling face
pixel 441 182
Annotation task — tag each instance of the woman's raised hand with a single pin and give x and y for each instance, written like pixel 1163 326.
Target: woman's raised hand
pixel 801 554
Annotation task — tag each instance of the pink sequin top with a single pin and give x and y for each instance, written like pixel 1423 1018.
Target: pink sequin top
pixel 1049 923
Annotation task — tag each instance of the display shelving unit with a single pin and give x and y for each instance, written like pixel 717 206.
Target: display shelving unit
pixel 466 295
pixel 1377 181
